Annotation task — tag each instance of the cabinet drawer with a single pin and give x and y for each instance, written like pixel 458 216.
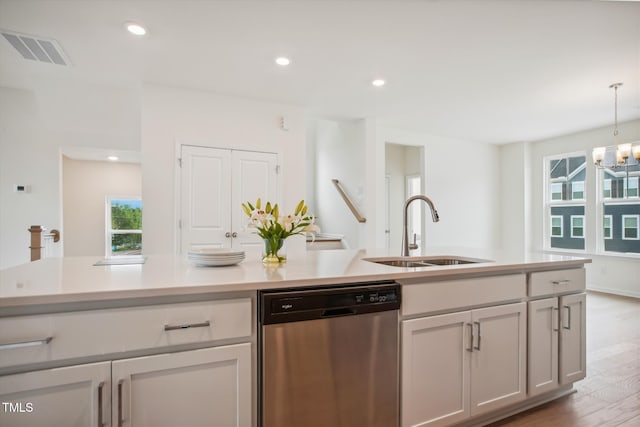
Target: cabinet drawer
pixel 454 294
pixel 60 336
pixel 556 282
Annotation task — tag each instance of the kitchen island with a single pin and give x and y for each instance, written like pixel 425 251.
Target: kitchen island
pixel 111 342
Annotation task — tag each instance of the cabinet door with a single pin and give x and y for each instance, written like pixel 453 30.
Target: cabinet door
pixel 208 387
pixel 573 360
pixel 543 346
pixel 498 371
pixel 73 396
pixel 435 369
pixel 205 195
pixel 254 176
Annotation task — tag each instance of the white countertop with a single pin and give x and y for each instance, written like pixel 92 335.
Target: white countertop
pixel 76 279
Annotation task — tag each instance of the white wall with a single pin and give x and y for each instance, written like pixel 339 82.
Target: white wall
pixel 34 125
pixel 86 186
pixel 515 190
pixel 616 274
pixel 171 116
pixel 461 178
pixel 338 149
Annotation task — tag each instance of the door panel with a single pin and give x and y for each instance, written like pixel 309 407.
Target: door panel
pixel 209 387
pixel 498 360
pixel 573 361
pixel 205 195
pixel 73 396
pixel 254 176
pixel 543 345
pixel 435 370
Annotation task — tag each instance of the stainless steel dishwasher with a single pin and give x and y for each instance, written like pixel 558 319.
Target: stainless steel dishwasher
pixel 329 356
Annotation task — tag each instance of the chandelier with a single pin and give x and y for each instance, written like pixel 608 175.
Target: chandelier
pixel 618 155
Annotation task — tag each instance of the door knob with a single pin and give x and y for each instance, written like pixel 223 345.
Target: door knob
pixel 227 235
pixel 234 234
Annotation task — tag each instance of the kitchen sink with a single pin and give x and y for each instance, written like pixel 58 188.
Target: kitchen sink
pixel 425 261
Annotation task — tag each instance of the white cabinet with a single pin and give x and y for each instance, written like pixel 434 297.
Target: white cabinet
pixel 573 358
pixel 462 364
pixel 435 369
pixel 185 385
pixel 208 387
pixel 213 184
pixel 557 330
pixel 543 346
pixel 73 396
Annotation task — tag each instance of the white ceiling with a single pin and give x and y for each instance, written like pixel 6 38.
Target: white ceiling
pixel 488 71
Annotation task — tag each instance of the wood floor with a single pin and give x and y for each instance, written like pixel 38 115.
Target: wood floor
pixel 610 395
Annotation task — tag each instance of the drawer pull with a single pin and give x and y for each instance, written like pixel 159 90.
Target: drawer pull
pixel 100 416
pixel 10 345
pixel 479 337
pixel 561 282
pixel 470 348
pixel 568 317
pixel 187 326
pixel 120 419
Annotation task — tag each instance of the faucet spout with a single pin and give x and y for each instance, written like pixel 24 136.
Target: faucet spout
pixel 405 231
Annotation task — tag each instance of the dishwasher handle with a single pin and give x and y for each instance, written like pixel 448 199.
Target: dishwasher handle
pixel 333 312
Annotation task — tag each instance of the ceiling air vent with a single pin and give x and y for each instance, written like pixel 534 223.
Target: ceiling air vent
pixel 36 48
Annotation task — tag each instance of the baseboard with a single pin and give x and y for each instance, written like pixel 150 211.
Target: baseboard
pixel 613 291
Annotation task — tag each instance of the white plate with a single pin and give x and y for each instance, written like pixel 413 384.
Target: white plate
pixel 204 263
pixel 215 252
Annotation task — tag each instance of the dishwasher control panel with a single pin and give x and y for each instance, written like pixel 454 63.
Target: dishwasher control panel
pixel 289 306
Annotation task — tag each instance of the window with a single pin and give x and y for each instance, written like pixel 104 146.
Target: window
pixel 577 226
pixel 630 227
pixel 577 190
pixel 556 226
pixel 556 191
pixel 565 197
pixel 606 226
pixel 619 203
pixel 632 188
pixel 124 227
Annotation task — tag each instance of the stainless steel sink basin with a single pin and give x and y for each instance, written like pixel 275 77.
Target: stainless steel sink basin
pixel 425 261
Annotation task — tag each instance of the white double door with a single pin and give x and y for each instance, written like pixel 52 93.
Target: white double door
pixel 213 184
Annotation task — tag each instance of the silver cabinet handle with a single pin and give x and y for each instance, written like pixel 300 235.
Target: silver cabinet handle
pixel 227 234
pixel 470 348
pixel 187 326
pixel 479 337
pixel 120 415
pixel 568 317
pixel 561 282
pixel 9 345
pixel 234 234
pixel 555 319
pixel 100 413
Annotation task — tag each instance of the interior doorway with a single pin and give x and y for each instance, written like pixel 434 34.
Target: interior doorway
pixel 404 177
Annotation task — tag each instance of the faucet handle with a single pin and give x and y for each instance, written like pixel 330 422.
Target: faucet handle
pixel 414 245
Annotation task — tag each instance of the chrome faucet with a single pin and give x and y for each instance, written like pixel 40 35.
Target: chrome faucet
pixel 405 231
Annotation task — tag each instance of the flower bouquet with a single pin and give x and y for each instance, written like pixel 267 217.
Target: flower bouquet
pixel 275 228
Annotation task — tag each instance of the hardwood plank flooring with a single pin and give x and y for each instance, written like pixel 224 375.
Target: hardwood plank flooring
pixel 610 395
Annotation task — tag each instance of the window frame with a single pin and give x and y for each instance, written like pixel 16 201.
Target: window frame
pixel 549 203
pixel 604 181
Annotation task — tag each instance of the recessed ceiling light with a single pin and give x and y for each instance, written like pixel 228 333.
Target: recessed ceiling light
pixel 283 61
pixel 136 29
pixel 113 158
pixel 378 82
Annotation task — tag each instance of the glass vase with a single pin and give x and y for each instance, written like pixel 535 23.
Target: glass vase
pixel 274 251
